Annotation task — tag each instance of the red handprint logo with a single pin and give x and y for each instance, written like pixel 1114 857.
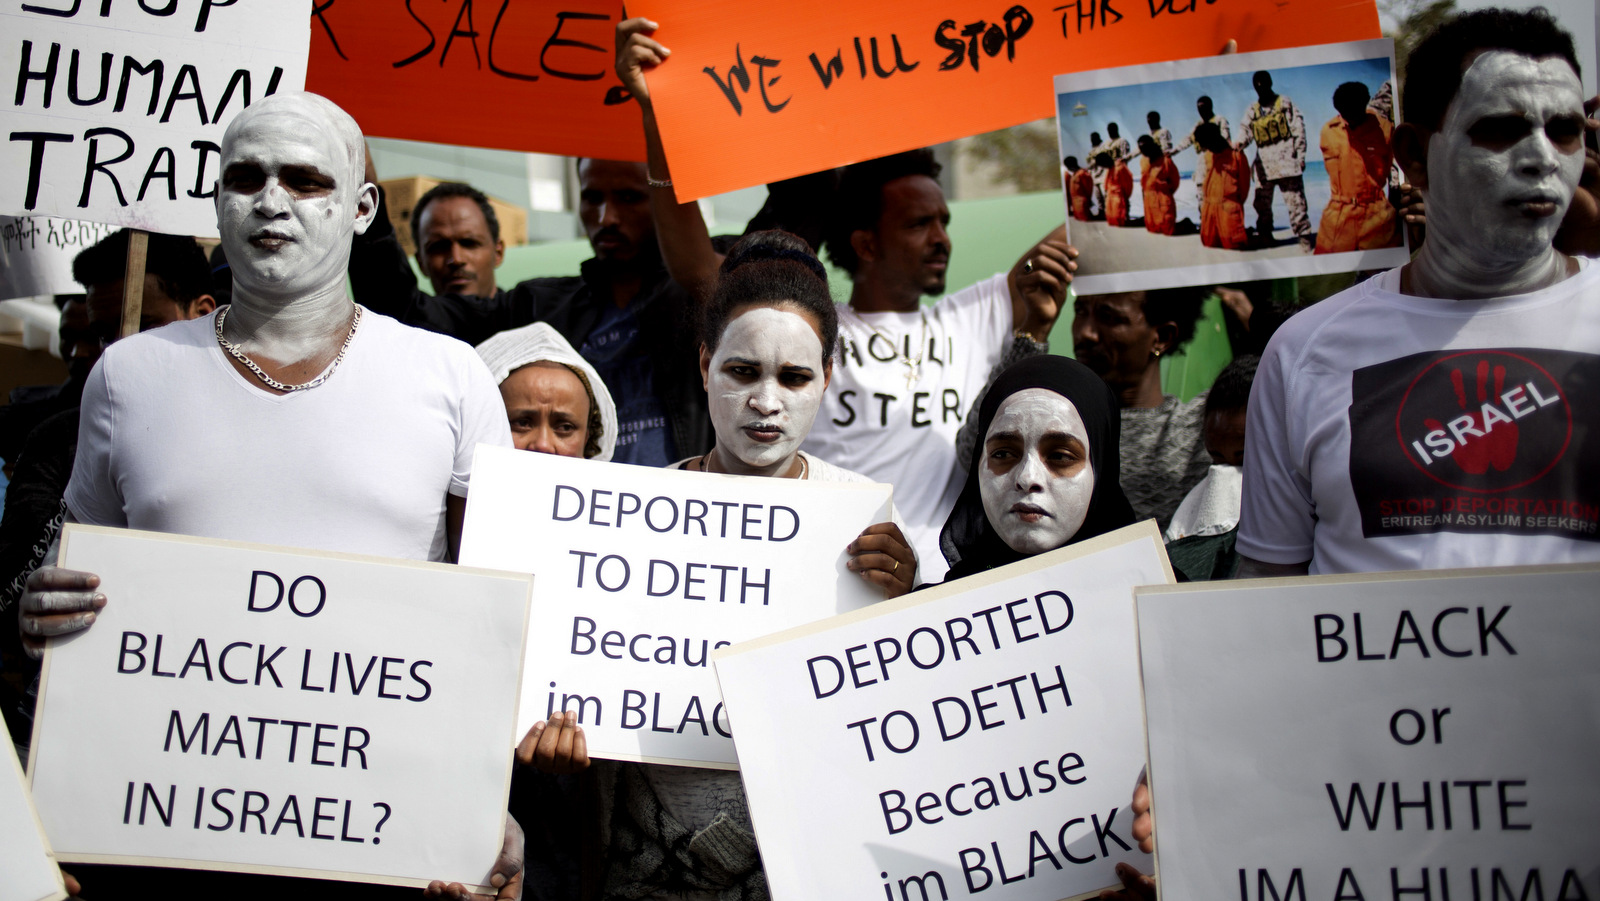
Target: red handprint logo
pixel 1474 407
pixel 1481 444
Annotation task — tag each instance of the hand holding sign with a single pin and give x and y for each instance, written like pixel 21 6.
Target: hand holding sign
pixel 1040 278
pixel 1144 824
pixel 506 877
pixel 1136 886
pixel 637 52
pixel 555 746
pixel 883 557
pixel 57 602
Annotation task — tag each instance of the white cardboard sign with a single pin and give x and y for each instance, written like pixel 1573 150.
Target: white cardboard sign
pixel 28 871
pixel 36 254
pixel 1394 736
pixel 643 572
pixel 979 738
pixel 117 109
pixel 283 711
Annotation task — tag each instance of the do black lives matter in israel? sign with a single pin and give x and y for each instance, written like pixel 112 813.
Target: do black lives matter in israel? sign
pixel 241 707
pixel 115 109
pixel 1397 736
pixel 644 572
pixel 981 738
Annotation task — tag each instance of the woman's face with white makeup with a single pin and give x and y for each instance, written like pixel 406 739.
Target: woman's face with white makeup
pixel 1505 162
pixel 1036 478
pixel 765 382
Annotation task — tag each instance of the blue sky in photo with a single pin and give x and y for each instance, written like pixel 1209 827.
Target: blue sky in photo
pixel 1310 87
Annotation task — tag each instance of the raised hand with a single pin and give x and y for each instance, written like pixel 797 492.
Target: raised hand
pixel 637 53
pixel 557 746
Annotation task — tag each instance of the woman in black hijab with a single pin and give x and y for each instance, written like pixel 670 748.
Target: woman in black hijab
pixel 970 541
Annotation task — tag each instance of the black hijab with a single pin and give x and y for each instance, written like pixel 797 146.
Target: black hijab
pixel 969 542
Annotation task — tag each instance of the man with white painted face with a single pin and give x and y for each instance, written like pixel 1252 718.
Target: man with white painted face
pixel 907 373
pixel 1445 413
pixel 299 389
pixel 622 312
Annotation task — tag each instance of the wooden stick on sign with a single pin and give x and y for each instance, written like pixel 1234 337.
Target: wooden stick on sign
pixel 133 281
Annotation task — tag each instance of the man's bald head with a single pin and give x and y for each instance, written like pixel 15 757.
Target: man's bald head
pixel 333 118
pixel 291 196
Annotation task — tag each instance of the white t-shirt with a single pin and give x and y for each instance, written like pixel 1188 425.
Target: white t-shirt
pixel 1389 432
pixel 174 439
pixel 875 422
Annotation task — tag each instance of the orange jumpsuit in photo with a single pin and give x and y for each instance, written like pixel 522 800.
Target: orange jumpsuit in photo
pixel 1119 188
pixel 1222 200
pixel 1359 215
pixel 1159 181
pixel 1080 193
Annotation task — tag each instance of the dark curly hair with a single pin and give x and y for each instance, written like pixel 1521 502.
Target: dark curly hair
pixel 177 262
pixel 1434 68
pixel 1231 390
pixel 771 268
pixel 860 199
pixel 453 189
pixel 1176 305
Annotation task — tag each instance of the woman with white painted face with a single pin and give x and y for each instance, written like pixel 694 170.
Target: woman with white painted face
pixel 766 356
pixel 1045 473
pixel 768 333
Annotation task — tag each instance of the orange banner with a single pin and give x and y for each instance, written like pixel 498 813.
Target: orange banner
pixel 755 93
pixel 534 75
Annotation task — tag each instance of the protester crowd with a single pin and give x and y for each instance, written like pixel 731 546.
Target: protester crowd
pixel 674 348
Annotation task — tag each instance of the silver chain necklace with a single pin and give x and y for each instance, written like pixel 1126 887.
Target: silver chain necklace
pixel 804 469
pixel 234 351
pixel 913 366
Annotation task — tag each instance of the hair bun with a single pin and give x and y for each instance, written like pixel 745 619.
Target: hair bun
pixel 773 245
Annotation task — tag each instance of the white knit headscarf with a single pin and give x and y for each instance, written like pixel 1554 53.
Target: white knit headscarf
pixel 509 351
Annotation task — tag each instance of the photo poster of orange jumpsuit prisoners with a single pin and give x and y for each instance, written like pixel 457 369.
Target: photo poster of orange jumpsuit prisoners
pixel 1232 168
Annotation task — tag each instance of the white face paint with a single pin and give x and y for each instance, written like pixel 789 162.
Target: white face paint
pixel 1503 167
pixel 765 384
pixel 1036 478
pixel 288 201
